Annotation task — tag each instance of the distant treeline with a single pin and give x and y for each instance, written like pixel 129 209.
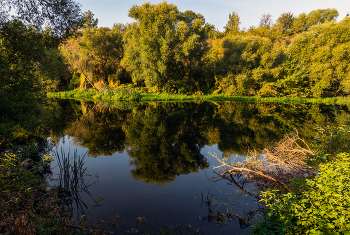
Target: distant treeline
pixel 170 51
pixel 175 52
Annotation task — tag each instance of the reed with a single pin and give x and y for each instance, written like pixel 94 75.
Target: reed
pixel 72 179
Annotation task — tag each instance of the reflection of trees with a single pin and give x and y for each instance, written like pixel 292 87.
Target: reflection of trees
pixel 259 126
pixel 99 130
pixel 163 142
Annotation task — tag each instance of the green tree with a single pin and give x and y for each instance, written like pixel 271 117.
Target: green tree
pixel 265 28
pixel 81 69
pixel 323 52
pixel 284 23
pixel 102 48
pixel 248 64
pixel 89 21
pixel 21 49
pixel 95 54
pixel 51 71
pixel 26 56
pixel 303 22
pixel 232 26
pixel 164 47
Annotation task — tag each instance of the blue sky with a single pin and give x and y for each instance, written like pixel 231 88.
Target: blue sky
pixel 215 11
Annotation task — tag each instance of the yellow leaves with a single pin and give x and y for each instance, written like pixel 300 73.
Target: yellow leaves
pixel 47 158
pixel 216 51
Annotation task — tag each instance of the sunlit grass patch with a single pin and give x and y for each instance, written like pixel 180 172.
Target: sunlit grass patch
pixel 135 94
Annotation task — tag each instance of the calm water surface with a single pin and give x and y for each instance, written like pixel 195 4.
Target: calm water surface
pixel 151 159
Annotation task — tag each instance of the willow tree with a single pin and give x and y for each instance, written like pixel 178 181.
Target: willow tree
pixel 60 15
pixel 165 47
pixel 304 21
pixel 103 49
pixel 248 64
pixel 95 55
pixel 324 52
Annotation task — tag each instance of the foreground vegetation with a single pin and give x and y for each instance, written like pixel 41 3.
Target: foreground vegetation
pixel 303 191
pixel 319 205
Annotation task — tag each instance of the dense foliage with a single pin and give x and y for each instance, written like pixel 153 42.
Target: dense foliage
pixel 29 67
pixel 60 15
pixel 169 51
pixel 317 206
pixel 165 47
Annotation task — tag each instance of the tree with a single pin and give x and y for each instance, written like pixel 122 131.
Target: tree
pixel 26 53
pixel 265 21
pixel 232 25
pixel 21 48
pixel 264 29
pixel 164 47
pixel 61 15
pixel 323 51
pixel 103 49
pixel 249 62
pixel 95 55
pixel 303 22
pixel 89 21
pixel 284 23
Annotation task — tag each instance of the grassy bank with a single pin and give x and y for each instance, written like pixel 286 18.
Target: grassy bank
pixel 128 94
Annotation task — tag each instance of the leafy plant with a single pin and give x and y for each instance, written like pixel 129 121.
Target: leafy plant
pixel 317 206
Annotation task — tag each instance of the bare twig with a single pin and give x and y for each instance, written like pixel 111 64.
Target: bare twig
pixel 277 166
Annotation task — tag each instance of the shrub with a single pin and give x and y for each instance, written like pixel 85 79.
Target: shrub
pixel 317 206
pixel 122 93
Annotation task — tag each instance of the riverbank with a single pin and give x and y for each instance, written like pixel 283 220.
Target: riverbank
pixel 133 95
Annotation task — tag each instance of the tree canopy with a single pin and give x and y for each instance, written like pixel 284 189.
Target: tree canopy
pixel 60 15
pixel 164 47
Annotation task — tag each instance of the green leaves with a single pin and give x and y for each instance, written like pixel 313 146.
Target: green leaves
pixel 322 207
pixel 322 50
pixel 103 49
pixel 165 46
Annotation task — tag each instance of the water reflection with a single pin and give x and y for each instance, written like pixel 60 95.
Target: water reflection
pixel 163 144
pixel 164 140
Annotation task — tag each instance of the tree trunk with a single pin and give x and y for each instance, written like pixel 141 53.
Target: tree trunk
pixel 105 76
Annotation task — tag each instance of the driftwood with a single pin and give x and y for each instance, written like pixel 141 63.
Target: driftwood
pixel 272 167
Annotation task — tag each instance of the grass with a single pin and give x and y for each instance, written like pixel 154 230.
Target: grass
pixel 131 94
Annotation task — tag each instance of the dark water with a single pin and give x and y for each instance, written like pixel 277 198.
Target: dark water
pixel 151 159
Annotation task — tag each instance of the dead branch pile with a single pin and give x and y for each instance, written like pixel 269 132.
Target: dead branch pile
pixel 272 167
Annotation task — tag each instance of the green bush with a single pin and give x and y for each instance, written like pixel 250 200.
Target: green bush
pixel 317 206
pixel 122 93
